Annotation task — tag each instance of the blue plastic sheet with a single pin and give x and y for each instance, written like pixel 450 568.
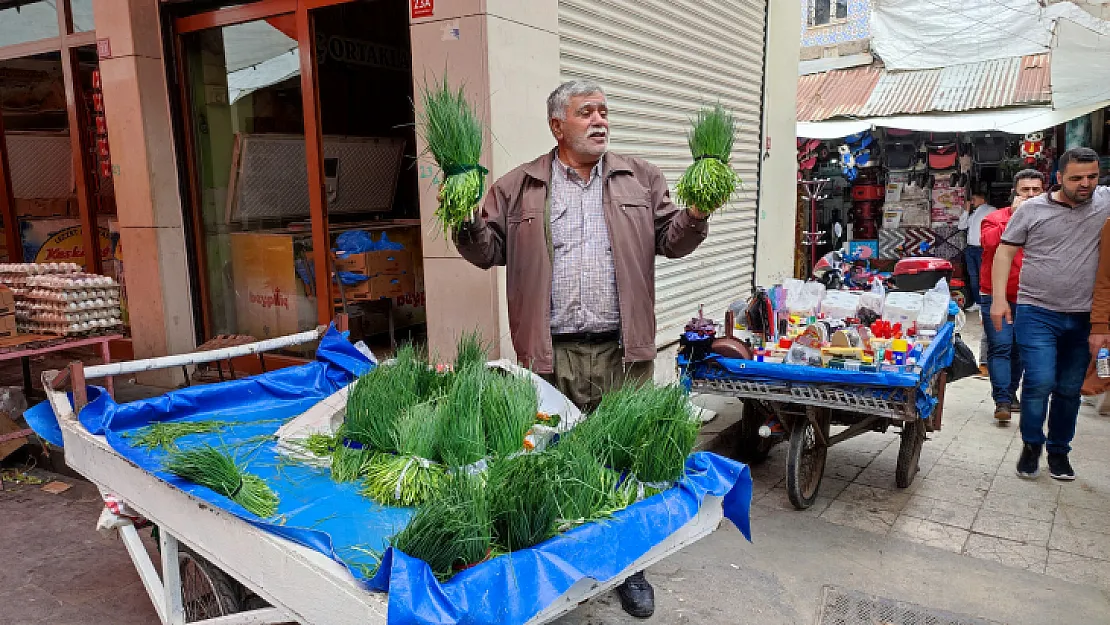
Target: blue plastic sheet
pixel 334 519
pixel 886 383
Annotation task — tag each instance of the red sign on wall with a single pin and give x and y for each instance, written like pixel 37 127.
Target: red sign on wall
pixel 103 49
pixel 423 8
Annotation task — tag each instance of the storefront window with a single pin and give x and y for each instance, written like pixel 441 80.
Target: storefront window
pixel 248 136
pixel 82 12
pixel 28 22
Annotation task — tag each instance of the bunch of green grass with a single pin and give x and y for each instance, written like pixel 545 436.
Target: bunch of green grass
pixel 471 350
pixel 321 445
pixel 667 436
pixel 349 462
pixel 460 433
pixel 454 135
pixel 380 397
pixel 452 532
pixel 411 477
pixel 164 434
pixel 612 432
pixel 584 489
pixel 524 507
pixel 710 181
pixel 509 405
pixel 214 469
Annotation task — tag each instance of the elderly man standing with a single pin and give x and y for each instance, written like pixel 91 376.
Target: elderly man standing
pixel 1059 233
pixel 577 230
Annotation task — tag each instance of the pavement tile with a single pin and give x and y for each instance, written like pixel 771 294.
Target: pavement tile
pixel 1083 494
pixel 940 511
pixel 1012 527
pixel 1041 489
pixel 936 487
pixel 1080 542
pixel 1020 506
pixel 1084 519
pixel 1078 569
pixel 859 516
pixel 930 533
pixel 778 501
pixel 878 499
pixel 962 474
pixel 1007 552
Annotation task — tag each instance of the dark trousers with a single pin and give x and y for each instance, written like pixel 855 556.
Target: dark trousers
pixel 1003 357
pixel 973 255
pixel 585 370
pixel 1054 350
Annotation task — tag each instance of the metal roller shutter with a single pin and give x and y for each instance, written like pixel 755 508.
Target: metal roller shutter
pixel 660 61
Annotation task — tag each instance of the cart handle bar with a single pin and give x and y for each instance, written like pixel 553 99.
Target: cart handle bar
pixel 195 358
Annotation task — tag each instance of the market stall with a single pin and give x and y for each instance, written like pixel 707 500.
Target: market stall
pixel 811 359
pixel 326 552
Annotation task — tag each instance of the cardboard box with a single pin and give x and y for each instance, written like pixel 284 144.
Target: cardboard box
pixel 7 301
pixel 380 287
pixel 387 263
pixel 7 326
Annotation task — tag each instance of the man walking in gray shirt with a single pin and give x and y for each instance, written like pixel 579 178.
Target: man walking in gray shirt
pixel 1059 233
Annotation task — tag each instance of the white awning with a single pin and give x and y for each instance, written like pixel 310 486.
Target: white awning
pixel 1018 121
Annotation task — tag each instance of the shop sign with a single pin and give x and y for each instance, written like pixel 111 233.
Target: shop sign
pixel 359 52
pixel 67 246
pixel 103 48
pixel 270 300
pixel 423 8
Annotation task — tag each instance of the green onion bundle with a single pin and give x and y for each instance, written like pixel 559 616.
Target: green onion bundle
pixel 585 490
pixel 471 350
pixel 460 433
pixel 669 434
pixel 523 506
pixel 411 477
pixel 348 462
pixel 452 532
pixel 612 432
pixel 380 397
pixel 454 134
pixel 164 434
pixel 218 471
pixel 710 181
pixel 509 406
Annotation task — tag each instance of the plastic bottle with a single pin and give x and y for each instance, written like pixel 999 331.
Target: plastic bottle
pixel 1102 365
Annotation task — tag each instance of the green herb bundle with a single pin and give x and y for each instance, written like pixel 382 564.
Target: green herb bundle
pixel 164 434
pixel 523 506
pixel 214 469
pixel 612 432
pixel 668 435
pixel 710 181
pixel 454 135
pixel 380 397
pixel 411 477
pixel 452 532
pixel 461 438
pixel 471 350
pixel 509 406
pixel 349 462
pixel 584 489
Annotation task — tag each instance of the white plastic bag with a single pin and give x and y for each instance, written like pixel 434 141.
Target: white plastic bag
pixel 800 299
pixel 873 300
pixel 840 304
pixel 934 307
pixel 903 308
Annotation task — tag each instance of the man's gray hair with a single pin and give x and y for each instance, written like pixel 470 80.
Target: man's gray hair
pixel 559 99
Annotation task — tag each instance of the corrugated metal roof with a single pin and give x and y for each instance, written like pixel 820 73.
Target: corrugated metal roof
pixel 987 85
pixel 839 93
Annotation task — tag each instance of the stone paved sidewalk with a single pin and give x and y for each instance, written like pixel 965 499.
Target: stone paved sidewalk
pixel 967 498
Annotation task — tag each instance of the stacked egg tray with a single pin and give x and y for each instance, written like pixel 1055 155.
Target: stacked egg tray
pixel 16 275
pixel 68 304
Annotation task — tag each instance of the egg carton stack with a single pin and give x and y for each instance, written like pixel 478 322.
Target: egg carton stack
pixel 15 275
pixel 69 304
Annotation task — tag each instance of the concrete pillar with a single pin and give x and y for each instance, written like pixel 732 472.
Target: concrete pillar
pixel 505 53
pixel 152 229
pixel 778 184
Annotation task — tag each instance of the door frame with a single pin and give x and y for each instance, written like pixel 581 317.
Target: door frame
pixel 302 12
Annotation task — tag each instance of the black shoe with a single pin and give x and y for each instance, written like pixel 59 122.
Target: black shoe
pixel 637 596
pixel 1002 412
pixel 1059 467
pixel 1028 465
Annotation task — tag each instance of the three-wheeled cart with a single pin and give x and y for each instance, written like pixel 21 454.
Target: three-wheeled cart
pixel 220 569
pixel 799 405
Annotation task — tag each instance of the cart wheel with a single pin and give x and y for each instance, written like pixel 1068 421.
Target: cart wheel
pixel 909 452
pixel 206 591
pixel 751 447
pixel 805 464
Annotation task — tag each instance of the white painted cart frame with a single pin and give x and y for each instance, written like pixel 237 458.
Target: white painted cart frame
pixel 302 585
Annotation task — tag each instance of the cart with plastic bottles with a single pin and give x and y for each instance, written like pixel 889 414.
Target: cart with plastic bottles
pixel 800 405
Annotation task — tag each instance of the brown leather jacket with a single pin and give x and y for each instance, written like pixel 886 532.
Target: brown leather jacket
pixel 513 230
pixel 1100 306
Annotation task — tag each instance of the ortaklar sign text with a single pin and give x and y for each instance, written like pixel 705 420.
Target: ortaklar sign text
pixel 359 52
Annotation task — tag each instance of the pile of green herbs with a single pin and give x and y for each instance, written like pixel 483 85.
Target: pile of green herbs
pixel 218 470
pixel 710 181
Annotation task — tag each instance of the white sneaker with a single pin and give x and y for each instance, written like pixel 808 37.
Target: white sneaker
pixel 974 308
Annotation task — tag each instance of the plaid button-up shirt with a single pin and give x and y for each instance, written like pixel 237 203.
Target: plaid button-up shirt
pixel 584 282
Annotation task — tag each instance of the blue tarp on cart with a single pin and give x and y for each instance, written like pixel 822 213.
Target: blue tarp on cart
pixel 335 520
